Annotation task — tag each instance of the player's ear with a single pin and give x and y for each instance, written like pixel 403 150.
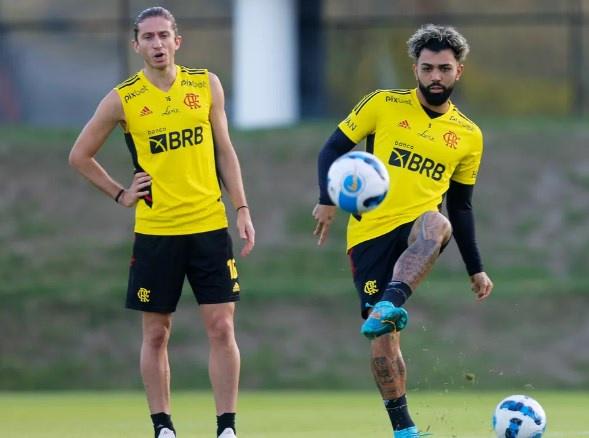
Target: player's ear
pixel 178 39
pixel 459 71
pixel 135 45
pixel 415 72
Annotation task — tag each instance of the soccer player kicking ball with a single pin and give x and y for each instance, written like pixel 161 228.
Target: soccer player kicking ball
pixel 169 115
pixel 431 149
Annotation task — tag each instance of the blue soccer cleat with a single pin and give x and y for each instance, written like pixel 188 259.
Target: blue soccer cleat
pixel 384 318
pixel 410 432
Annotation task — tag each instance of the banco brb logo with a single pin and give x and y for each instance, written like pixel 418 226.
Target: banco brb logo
pixel 417 163
pixel 172 140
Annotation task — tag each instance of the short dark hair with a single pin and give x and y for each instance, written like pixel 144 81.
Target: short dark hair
pixel 155 11
pixel 438 38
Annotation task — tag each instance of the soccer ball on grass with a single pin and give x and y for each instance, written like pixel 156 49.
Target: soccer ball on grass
pixel 357 182
pixel 519 416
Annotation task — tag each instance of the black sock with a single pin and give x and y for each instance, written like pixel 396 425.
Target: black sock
pixel 397 293
pixel 161 420
pixel 224 421
pixel 399 413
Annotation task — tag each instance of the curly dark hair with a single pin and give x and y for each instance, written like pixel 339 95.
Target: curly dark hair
pixel 437 38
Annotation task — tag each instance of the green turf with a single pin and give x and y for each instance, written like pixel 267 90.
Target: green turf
pixel 66 250
pixel 274 414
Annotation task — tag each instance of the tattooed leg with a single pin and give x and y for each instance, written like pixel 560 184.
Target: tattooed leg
pixel 388 366
pixel 428 234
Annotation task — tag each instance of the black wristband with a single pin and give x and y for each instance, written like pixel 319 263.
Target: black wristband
pixel 119 195
pixel 243 206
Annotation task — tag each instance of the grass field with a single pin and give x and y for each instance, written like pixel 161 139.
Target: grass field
pixel 274 414
pixel 66 247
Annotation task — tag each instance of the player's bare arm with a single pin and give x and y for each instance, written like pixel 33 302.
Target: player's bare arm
pixel 108 114
pixel 229 165
pixel 324 216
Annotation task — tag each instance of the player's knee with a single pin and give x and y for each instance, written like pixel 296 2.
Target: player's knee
pixel 221 330
pixel 445 229
pixel 157 337
pixel 439 225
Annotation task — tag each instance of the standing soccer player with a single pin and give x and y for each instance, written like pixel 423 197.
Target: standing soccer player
pixel 430 149
pixel 170 115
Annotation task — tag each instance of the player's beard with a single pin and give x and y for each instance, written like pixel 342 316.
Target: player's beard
pixel 435 99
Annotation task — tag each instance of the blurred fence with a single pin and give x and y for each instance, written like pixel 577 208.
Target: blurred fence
pixel 530 62
pixel 520 64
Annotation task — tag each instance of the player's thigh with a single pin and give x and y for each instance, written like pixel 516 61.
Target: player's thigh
pixel 155 274
pixel 373 262
pixel 211 269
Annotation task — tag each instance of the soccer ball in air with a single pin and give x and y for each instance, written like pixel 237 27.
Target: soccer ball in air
pixel 519 416
pixel 357 182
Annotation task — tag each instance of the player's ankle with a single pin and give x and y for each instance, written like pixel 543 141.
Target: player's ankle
pixel 224 421
pixel 399 413
pixel 397 292
pixel 162 420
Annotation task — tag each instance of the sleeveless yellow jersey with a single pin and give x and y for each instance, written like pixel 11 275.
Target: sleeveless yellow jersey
pixel 421 154
pixel 169 136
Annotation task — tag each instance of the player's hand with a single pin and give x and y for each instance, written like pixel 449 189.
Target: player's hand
pixel 324 215
pixel 481 285
pixel 245 227
pixel 137 190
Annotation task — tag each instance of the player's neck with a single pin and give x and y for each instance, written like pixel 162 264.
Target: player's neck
pixel 442 109
pixel 161 78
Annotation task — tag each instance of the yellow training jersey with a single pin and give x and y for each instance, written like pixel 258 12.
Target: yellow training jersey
pixel 422 155
pixel 169 136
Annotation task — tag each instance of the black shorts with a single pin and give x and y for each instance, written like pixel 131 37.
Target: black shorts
pixel 160 263
pixel 373 262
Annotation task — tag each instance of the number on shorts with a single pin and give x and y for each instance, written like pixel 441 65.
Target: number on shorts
pixel 232 269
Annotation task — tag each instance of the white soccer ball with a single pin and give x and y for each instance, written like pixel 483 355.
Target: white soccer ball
pixel 519 416
pixel 357 182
